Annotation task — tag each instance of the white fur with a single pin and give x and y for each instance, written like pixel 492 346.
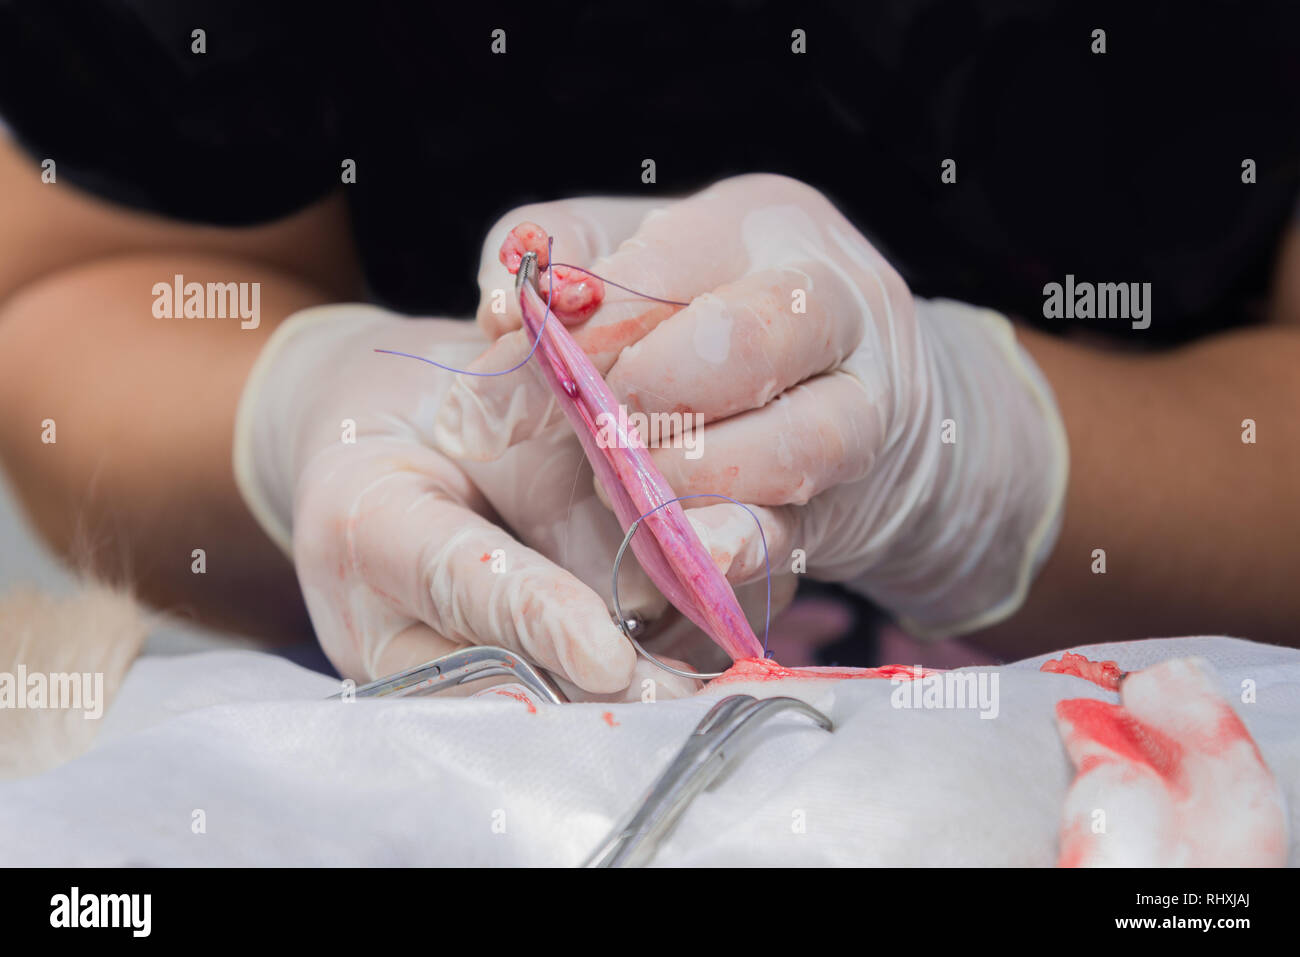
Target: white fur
pixel 96 629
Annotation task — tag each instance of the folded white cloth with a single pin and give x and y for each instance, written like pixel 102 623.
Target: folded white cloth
pixel 232 758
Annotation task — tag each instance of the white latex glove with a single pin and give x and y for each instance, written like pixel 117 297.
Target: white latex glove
pixel 400 552
pixel 911 449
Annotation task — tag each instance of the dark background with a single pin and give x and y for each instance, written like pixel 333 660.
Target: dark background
pixel 1123 167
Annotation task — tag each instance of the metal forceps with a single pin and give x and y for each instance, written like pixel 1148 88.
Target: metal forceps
pixel 632 626
pixel 527 273
pixel 710 749
pixel 468 664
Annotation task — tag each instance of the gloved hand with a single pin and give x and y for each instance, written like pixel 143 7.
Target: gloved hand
pixel 909 448
pixel 400 552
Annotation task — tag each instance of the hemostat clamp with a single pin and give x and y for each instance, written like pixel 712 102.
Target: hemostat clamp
pixel 449 671
pixel 712 746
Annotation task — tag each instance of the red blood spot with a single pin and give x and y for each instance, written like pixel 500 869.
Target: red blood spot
pixel 609 719
pixel 487 557
pixel 765 669
pixel 1105 674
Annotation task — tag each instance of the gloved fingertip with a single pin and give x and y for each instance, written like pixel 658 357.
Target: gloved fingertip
pixel 600 660
pixel 666 684
pixel 723 555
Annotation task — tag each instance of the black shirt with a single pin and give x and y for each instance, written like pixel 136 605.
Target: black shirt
pixel 1117 167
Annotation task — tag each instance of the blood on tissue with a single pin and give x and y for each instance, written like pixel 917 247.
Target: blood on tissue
pixel 1119 732
pixel 765 669
pixel 572 293
pixel 1229 731
pixel 609 719
pixel 1220 798
pixel 524 238
pixel 518 696
pixel 1075 845
pixel 1104 674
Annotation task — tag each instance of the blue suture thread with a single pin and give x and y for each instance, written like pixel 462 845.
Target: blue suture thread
pixel 550 289
pixel 767 560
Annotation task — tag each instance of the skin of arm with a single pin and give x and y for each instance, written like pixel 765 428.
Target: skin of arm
pixel 1199 528
pixel 140 474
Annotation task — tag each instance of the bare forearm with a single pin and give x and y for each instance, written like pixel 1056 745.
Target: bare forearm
pixel 143 407
pixel 1198 527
